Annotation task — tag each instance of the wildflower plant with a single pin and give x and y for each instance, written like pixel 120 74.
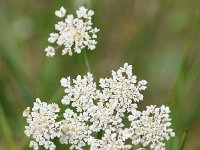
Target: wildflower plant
pixel 96 115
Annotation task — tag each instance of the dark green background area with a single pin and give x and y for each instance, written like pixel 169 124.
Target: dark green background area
pixel 160 38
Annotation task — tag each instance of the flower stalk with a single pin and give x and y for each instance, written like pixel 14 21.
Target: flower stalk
pixel 87 61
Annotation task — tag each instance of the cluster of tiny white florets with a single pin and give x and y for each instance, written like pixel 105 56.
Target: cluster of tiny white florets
pixel 96 116
pixel 73 33
pixel 151 127
pixel 42 124
pixel 81 94
pixel 75 129
pixel 111 141
pixel 121 91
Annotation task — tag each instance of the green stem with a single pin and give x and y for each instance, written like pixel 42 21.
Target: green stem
pixel 100 133
pixel 183 140
pixel 84 3
pixel 6 130
pixel 86 61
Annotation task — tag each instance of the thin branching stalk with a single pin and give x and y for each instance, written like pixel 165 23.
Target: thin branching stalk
pixel 84 3
pixel 100 133
pixel 86 61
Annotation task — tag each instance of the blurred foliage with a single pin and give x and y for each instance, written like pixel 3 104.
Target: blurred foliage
pixel 161 39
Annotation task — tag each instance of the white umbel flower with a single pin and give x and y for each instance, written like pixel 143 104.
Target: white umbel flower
pixel 100 117
pixel 75 131
pixel 42 125
pixel 153 127
pixel 74 33
pixel 80 93
pixel 122 88
pixel 110 141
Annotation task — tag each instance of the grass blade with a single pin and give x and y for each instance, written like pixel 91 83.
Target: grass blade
pixel 183 140
pixel 6 130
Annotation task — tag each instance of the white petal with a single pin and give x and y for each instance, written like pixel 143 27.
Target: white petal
pixel 60 13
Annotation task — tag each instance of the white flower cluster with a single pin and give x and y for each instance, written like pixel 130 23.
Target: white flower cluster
pixel 73 33
pixel 100 117
pixel 96 116
pixel 151 127
pixel 42 125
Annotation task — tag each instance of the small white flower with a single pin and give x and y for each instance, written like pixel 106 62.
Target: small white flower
pixel 60 13
pixel 53 37
pixel 82 12
pixel 34 145
pixel 50 51
pixel 26 112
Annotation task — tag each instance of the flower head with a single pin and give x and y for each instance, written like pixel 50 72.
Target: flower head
pixel 153 127
pixel 109 109
pixel 73 33
pixel 122 89
pixel 75 130
pixel 80 93
pixel 111 141
pixel 42 125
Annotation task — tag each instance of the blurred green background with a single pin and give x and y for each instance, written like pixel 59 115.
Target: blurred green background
pixel 160 38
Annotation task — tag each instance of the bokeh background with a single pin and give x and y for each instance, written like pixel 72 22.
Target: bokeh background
pixel 160 38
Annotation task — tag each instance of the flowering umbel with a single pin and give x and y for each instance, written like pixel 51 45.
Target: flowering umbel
pixel 96 116
pixel 73 34
pixel 42 125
